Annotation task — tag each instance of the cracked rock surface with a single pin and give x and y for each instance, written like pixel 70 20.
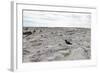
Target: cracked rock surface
pixel 56 44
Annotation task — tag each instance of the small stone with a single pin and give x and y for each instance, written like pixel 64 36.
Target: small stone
pixel 65 52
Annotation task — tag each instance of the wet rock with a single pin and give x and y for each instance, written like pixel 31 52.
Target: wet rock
pixel 34 31
pixel 25 52
pixel 27 33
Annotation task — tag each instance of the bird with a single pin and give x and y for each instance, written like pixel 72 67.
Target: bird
pixel 67 42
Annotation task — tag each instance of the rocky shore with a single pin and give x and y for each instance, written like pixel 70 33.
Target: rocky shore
pixel 56 44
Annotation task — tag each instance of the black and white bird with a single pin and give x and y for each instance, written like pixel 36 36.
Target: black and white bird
pixel 67 42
